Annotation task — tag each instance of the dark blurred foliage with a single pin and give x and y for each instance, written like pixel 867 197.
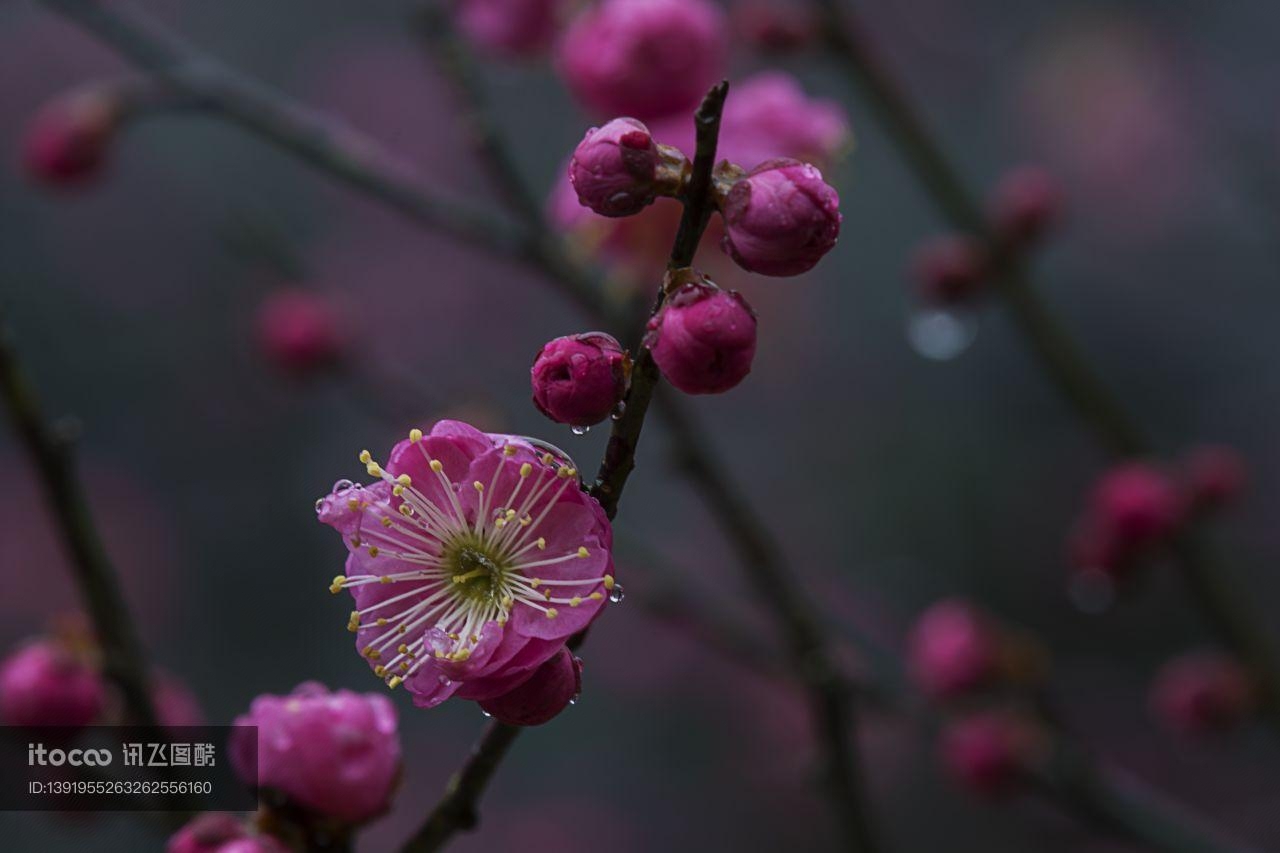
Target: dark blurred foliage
pixel 892 479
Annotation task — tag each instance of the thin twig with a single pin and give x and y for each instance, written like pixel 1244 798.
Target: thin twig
pixel 1057 352
pixel 123 660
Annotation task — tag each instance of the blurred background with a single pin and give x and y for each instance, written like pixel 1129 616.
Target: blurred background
pixel 892 478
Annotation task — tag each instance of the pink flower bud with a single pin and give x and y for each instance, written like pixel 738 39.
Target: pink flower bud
pixel 220 833
pixel 509 27
pixel 579 379
pixel 43 684
pixel 548 692
pixel 298 331
pixel 644 58
pixel 1214 475
pixel 336 755
pixel 987 751
pixel 703 339
pixel 1138 502
pixel 953 649
pixel 949 269
pixel 614 169
pixel 1025 204
pixel 780 219
pixel 66 142
pixel 1201 692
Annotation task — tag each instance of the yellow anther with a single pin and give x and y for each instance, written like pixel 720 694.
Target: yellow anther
pixel 608 581
pixel 507 601
pixel 535 582
pixel 437 465
pixel 403 648
pixel 355 542
pixel 353 504
pixel 385 579
pixel 583 552
pixel 371 653
pixel 366 457
pixel 547 459
pixel 511 513
pixel 338 583
pixel 404 480
pixel 381 622
pixel 541 543
pixel 397 490
pixel 509 450
pixel 552 613
pixel 526 521
pixel 380 670
pixel 575 601
pixel 374 469
pixel 373 552
pixel 462 654
pixel 385 521
pixel 405 509
pixel 403 628
pixel 595 596
pixel 526 469
pixel 404 666
pixel 502 620
pixel 563 471
pixel 479 485
pixel 395 682
pixel 572 472
pixel 415 435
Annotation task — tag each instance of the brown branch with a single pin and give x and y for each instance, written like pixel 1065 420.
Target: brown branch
pixel 123 660
pixel 1053 346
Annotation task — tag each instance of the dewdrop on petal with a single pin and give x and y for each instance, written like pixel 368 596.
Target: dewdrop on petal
pixel 703 339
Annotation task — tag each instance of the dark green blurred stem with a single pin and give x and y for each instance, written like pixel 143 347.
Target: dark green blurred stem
pixel 1054 348
pixel 49 450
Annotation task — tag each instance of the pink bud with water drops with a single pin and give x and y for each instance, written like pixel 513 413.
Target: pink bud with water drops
pixel 67 142
pixel 551 688
pixel 703 339
pixel 949 270
pixel 580 379
pixel 618 170
pixel 1025 205
pixel 219 832
pixel 44 683
pixel 1213 476
pixel 299 331
pixel 1202 692
pixel 780 219
pixel 644 58
pixel 514 28
pixel 334 755
pixel 953 649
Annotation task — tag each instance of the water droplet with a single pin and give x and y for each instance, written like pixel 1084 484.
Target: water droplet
pixel 574 699
pixel 342 486
pixel 941 335
pixel 580 430
pixel 617 593
pixel 319 504
pixel 486 713
pixel 1092 591
pixel 619 410
pixel 444 681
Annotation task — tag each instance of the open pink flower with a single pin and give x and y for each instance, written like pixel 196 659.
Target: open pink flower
pixel 336 754
pixel 472 561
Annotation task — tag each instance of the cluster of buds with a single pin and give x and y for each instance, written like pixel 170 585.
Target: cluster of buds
pixel 1137 506
pixel 959 656
pixel 954 269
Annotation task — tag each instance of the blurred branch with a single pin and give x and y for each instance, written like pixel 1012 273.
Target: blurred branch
pixel 50 451
pixel 1053 346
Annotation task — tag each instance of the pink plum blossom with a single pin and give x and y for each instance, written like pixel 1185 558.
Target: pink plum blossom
pixel 46 684
pixel 703 339
pixel 471 562
pixel 336 755
pixel 579 379
pixel 644 58
pixel 780 219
